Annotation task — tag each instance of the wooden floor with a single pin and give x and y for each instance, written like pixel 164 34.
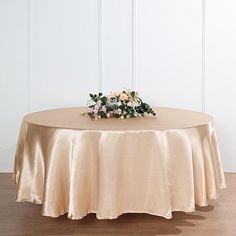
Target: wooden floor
pixel 218 219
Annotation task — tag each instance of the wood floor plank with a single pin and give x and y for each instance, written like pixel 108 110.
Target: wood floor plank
pixel 18 219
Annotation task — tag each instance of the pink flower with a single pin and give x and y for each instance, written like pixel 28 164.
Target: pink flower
pixel 96 108
pixel 123 96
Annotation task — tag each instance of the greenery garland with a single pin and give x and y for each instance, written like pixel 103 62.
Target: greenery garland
pixel 123 104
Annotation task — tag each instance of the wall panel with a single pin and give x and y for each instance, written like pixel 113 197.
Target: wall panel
pixel 117 44
pixel 169 52
pixel 64 52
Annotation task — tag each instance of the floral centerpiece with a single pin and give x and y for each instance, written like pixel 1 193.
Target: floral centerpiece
pixel 122 104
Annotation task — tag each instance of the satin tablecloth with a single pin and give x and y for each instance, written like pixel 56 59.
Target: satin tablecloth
pixel 70 163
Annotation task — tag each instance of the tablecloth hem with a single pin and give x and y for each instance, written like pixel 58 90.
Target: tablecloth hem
pixel 168 215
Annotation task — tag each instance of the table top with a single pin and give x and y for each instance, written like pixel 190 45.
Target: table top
pixel 72 118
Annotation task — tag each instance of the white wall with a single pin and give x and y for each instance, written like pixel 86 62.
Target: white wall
pixel 177 53
pixel 169 52
pixel 13 76
pixel 221 74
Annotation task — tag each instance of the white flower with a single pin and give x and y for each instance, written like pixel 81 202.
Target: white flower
pixel 122 117
pixel 104 109
pixel 91 103
pixel 130 104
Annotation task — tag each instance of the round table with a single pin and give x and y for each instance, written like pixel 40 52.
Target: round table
pixel 157 165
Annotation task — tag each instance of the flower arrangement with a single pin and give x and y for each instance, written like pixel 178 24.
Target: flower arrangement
pixel 123 104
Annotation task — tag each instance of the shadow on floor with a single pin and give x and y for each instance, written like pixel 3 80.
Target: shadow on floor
pixel 26 219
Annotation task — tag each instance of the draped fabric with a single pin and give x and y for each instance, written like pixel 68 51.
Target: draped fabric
pixel 109 171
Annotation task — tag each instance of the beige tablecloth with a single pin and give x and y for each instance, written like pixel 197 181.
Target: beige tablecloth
pixel 70 163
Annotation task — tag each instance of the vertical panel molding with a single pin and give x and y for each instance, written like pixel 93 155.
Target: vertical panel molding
pixel 100 46
pixel 29 49
pixel 203 56
pixel 133 44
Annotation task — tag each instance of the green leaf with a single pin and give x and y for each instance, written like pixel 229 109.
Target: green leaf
pixel 90 114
